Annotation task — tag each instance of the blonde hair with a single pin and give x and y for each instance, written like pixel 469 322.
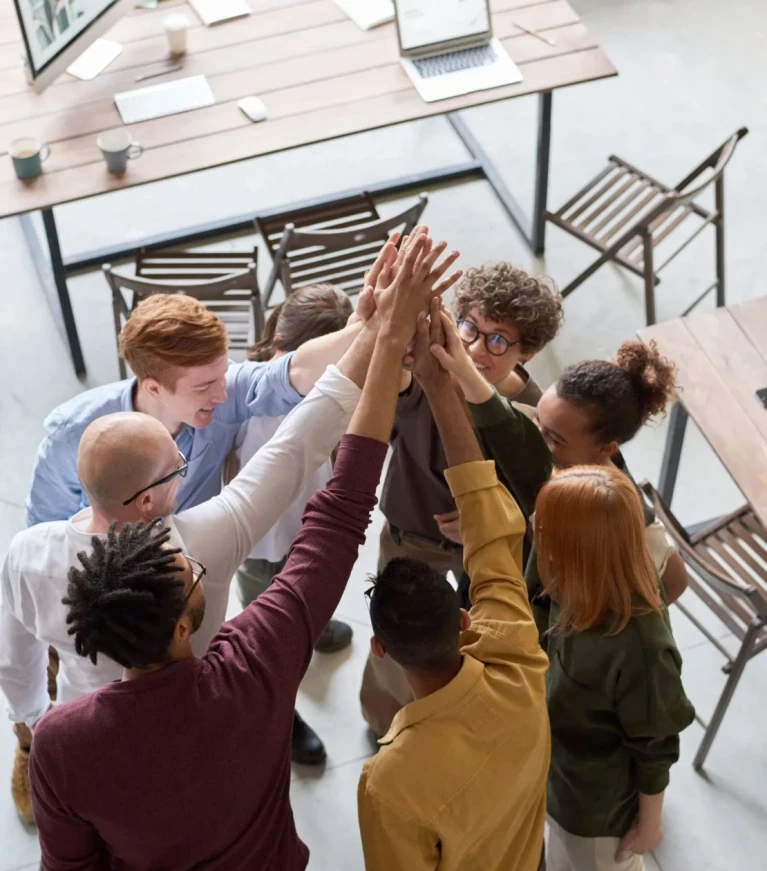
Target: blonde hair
pixel 170 332
pixel 592 553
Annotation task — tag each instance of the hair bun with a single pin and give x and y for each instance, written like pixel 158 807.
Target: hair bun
pixel 652 375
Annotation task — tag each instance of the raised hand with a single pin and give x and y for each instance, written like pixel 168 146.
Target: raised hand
pixel 406 288
pixel 453 358
pixel 426 368
pixel 366 305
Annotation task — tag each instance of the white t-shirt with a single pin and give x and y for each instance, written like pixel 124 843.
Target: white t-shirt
pixel 252 436
pixel 219 533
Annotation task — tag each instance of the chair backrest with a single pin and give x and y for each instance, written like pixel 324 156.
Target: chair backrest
pixel 734 595
pixel 682 195
pixel 339 249
pixel 192 266
pixel 233 296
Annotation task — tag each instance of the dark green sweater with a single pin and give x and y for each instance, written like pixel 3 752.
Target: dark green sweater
pixel 616 702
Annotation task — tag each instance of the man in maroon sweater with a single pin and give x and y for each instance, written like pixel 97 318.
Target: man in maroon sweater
pixel 185 763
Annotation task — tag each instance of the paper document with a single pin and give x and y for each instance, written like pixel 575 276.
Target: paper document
pixel 367 13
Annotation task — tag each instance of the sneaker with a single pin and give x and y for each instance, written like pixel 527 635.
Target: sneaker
pixel 336 636
pixel 20 788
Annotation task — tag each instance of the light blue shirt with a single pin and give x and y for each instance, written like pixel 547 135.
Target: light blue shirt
pixel 253 389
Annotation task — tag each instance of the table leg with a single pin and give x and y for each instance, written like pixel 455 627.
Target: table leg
pixel 673 451
pixel 52 274
pixel 543 154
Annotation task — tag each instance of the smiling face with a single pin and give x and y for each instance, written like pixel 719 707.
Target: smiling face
pixel 494 369
pixel 196 393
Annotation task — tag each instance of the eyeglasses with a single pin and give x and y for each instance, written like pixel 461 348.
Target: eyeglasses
pixel 179 473
pixel 198 571
pixel 496 344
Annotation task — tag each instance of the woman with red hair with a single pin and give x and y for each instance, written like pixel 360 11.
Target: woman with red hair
pixel 614 689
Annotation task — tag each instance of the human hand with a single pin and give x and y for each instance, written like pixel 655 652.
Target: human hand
pixel 453 358
pixel 405 289
pixel 366 304
pixel 449 526
pixel 426 368
pixel 638 840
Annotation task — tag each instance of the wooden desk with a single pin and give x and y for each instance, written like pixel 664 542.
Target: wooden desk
pixel 320 76
pixel 721 358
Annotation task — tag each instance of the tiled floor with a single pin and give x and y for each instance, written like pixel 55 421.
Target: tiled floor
pixel 692 71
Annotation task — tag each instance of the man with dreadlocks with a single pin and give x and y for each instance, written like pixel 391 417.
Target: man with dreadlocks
pixel 185 761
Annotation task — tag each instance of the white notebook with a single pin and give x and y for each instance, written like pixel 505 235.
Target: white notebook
pixel 367 13
pixel 215 11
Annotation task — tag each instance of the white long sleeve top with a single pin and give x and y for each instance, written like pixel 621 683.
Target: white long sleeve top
pixel 219 533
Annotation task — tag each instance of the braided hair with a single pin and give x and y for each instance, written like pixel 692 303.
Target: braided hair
pixel 125 600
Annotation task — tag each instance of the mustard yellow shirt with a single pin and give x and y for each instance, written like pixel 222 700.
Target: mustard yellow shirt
pixel 459 782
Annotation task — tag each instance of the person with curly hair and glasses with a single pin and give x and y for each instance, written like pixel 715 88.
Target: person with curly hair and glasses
pixel 504 317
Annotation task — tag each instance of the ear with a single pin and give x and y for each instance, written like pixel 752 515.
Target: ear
pixel 526 358
pixel 145 506
pixel 465 620
pixel 182 631
pixel 152 386
pixel 376 648
pixel 608 450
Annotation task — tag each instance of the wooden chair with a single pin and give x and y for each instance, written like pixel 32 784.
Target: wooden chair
pixel 625 214
pixel 335 243
pixel 727 566
pixel 225 283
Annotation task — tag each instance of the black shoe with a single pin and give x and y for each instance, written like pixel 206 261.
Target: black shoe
pixel 336 636
pixel 306 748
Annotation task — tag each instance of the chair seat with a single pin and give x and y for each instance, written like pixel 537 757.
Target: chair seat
pixel 737 547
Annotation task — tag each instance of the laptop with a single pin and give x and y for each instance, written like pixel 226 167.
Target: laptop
pixel 447 48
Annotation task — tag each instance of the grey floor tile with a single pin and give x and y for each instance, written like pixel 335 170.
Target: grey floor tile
pixel 325 810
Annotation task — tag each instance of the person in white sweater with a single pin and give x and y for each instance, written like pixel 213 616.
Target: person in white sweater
pixel 307 313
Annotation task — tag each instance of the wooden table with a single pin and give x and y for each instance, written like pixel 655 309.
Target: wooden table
pixel 320 76
pixel 721 357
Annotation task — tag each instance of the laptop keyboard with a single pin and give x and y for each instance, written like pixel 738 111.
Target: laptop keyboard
pixel 453 61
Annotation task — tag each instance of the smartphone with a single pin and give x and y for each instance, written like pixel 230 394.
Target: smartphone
pixel 762 394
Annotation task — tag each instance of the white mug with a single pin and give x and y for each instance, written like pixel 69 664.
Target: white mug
pixel 176 26
pixel 118 148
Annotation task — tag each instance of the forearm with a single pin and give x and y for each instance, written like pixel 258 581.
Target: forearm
pixel 473 385
pixel 455 430
pixel 313 357
pixel 356 360
pixel 374 415
pixel 674 578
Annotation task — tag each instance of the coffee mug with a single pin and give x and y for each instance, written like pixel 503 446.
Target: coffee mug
pixel 118 148
pixel 28 156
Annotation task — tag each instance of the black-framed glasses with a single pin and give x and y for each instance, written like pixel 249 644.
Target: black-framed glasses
pixel 198 572
pixel 496 344
pixel 178 473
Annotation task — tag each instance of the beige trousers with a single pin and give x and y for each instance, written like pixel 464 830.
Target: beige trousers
pixel 384 688
pixel 568 852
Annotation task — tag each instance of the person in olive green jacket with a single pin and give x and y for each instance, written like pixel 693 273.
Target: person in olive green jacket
pixel 602 764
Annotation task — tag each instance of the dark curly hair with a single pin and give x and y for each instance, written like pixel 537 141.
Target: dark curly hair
pixel 504 293
pixel 623 394
pixel 126 599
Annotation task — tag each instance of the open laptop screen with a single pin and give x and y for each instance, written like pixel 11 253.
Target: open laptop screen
pixel 427 22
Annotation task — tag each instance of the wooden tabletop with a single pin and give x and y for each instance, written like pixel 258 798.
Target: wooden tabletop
pixel 318 73
pixel 721 358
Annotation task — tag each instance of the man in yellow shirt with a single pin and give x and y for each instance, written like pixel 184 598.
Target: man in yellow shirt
pixel 459 783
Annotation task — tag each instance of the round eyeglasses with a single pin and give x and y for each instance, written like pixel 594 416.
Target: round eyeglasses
pixel 496 344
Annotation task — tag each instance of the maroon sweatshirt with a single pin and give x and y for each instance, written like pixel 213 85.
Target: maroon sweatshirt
pixel 189 767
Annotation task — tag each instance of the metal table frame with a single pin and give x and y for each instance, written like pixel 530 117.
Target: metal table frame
pixel 53 269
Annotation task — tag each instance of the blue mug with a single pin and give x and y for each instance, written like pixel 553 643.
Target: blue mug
pixel 28 156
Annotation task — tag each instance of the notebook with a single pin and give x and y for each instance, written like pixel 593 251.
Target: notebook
pixel 367 13
pixel 215 11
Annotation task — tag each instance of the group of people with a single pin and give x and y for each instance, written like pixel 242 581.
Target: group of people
pixel 543 685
